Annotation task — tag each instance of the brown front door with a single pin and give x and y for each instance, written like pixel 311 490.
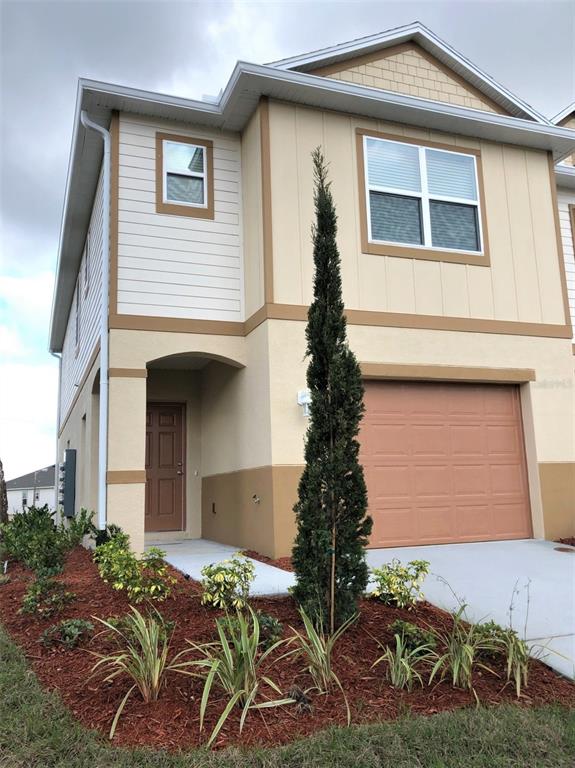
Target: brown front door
pixel 165 467
pixel 444 463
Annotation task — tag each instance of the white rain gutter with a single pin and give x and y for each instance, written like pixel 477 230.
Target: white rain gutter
pixel 104 337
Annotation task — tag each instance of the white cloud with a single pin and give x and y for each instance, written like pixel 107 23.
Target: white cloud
pixel 28 398
pixel 11 344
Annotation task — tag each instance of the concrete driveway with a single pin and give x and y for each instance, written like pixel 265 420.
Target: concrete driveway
pixel 530 575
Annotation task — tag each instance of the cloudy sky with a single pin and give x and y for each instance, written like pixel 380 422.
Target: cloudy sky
pixel 188 49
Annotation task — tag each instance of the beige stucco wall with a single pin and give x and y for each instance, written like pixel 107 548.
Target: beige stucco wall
pixel 548 403
pixel 523 282
pixel 412 72
pixel 552 393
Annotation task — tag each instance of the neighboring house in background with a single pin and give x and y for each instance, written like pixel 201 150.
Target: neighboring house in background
pixel 34 489
pixel 453 280
pixel 565 177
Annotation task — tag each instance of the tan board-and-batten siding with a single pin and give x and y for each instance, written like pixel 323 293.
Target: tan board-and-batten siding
pixel 523 282
pixel 175 266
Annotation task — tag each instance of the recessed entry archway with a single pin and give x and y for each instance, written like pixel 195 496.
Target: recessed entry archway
pixel 187 395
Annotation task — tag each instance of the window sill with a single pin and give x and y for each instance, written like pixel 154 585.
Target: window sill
pixel 428 254
pixel 185 210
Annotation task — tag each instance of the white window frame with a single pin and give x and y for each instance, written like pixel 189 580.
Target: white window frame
pixel 179 172
pixel 425 198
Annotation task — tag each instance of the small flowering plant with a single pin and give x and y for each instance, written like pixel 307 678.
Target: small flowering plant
pixel 227 584
pixel 399 585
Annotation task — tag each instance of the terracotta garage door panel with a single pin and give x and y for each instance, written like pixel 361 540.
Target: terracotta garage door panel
pixel 444 463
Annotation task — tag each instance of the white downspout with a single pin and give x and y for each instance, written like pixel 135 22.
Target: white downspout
pixel 104 338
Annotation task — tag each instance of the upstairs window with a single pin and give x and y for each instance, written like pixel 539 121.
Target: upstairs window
pixel 184 176
pixel 422 197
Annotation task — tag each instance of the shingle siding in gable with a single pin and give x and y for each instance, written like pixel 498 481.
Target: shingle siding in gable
pixel 412 73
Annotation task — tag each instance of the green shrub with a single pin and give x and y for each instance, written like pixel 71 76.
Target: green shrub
pixel 33 538
pixel 144 578
pixel 316 648
pixel 4 579
pixel 234 664
pixel 122 626
pixel 69 633
pixel 109 532
pixel 271 629
pixel 399 585
pixel 79 526
pixel 506 641
pixel 142 656
pixel 227 584
pixel 412 636
pixel 403 662
pixel 45 596
pixel 464 646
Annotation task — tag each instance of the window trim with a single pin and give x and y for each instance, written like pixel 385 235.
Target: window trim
pixel 205 211
pixel 413 251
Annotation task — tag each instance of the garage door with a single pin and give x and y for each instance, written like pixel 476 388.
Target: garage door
pixel 444 463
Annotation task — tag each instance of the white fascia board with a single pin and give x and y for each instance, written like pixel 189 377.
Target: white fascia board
pixel 569 109
pixel 247 84
pixel 565 176
pixel 420 34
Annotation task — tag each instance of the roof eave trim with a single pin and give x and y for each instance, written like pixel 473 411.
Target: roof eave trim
pixel 416 32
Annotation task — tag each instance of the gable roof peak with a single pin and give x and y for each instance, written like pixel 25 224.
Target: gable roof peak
pixel 564 114
pixel 421 35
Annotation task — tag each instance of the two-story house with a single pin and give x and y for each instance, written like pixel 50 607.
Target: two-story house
pixel 180 369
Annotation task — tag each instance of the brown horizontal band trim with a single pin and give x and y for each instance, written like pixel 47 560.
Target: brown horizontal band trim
pixel 176 325
pixel 354 317
pixel 446 373
pixel 125 476
pixel 87 372
pixel 128 373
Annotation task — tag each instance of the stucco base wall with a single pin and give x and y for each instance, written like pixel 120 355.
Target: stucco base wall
pixel 252 508
pixel 126 508
pixel 558 493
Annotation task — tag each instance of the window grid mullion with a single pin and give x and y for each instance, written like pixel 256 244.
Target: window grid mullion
pixel 425 212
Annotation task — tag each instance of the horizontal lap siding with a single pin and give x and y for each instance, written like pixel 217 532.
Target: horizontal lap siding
pixel 74 364
pixel 566 199
pixel 177 266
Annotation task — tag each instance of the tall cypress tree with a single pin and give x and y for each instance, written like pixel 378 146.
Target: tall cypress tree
pixel 332 526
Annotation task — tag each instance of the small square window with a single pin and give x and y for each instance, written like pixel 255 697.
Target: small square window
pixel 184 176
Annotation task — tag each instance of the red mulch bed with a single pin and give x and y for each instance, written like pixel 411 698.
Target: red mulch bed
pixel 172 722
pixel 281 562
pixel 570 541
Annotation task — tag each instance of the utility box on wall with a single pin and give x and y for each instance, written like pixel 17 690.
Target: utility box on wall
pixel 67 483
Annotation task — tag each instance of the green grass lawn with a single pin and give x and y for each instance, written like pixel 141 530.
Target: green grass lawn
pixel 37 732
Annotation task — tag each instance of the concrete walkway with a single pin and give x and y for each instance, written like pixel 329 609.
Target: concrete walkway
pixel 532 576
pixel 191 555
pixel 491 576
